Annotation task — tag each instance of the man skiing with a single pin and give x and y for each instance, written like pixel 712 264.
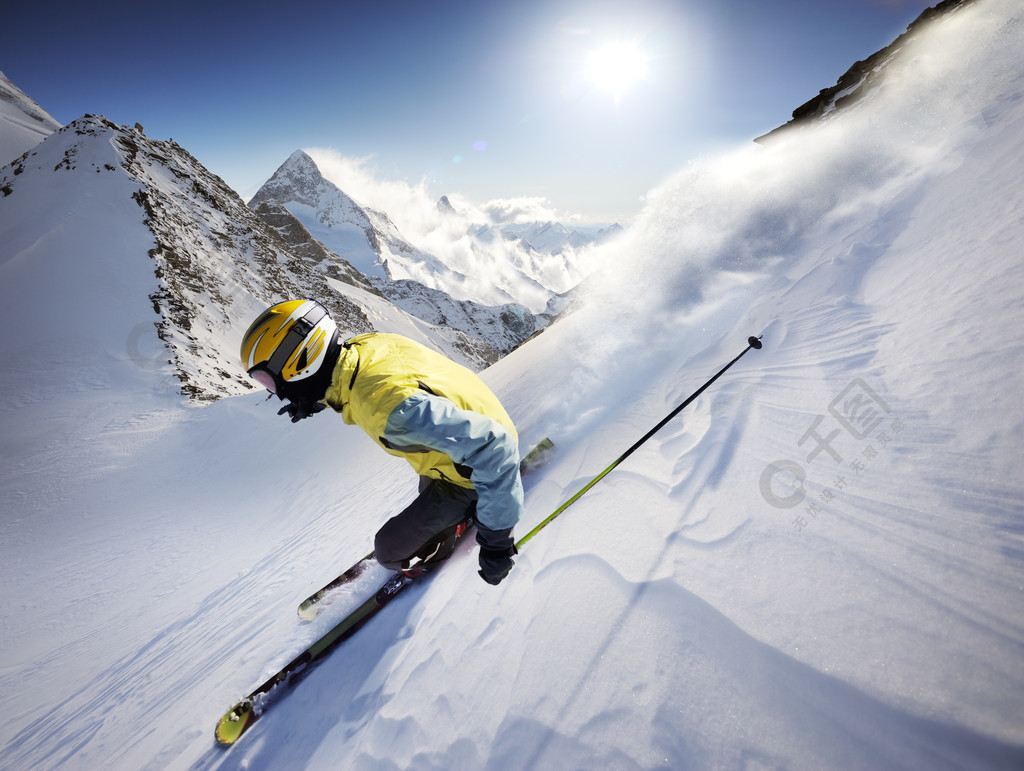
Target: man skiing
pixel 417 405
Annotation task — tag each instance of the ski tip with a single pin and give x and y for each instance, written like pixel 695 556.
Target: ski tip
pixel 536 456
pixel 309 609
pixel 234 723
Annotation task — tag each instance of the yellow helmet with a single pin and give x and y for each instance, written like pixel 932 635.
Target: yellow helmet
pixel 288 344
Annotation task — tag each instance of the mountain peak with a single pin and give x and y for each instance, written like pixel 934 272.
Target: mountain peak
pixel 299 162
pixel 444 206
pixel 362 236
pixel 299 180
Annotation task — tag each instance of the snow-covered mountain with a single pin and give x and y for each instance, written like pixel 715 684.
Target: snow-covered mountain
pixel 23 123
pixel 204 264
pixel 483 262
pixel 817 565
pixel 214 261
pixel 297 199
pixel 366 239
pixel 554 237
pixel 503 326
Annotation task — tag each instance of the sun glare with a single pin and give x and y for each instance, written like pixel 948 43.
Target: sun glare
pixel 615 67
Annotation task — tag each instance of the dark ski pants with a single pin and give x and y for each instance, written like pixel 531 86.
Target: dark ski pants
pixel 426 527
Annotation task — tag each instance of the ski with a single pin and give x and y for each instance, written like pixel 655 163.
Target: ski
pixel 536 457
pixel 310 607
pixel 241 717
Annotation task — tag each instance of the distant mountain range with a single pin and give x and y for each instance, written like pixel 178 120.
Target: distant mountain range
pixel 216 261
pixel 483 263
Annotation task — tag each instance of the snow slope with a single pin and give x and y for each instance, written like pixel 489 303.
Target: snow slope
pixel 697 609
pixel 23 123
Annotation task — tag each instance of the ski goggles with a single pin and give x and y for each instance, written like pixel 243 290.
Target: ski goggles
pixel 264 378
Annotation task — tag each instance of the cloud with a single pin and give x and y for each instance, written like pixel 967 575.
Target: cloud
pixel 492 268
pixel 413 208
pixel 511 211
pixel 410 206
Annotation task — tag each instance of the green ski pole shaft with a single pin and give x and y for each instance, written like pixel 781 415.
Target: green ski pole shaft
pixel 752 342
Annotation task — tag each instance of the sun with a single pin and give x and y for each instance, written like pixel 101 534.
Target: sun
pixel 616 66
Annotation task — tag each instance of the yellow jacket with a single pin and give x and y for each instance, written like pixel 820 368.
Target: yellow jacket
pixel 437 415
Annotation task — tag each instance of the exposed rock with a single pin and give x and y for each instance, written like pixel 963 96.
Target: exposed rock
pixel 862 78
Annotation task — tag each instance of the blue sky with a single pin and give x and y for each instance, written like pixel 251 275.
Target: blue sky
pixel 483 99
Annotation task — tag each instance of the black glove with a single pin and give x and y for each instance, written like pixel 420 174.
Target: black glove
pixel 299 410
pixel 497 548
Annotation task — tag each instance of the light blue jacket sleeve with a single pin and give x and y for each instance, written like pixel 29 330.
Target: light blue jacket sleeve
pixel 471 439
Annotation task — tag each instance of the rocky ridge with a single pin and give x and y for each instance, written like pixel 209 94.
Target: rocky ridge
pixel 863 77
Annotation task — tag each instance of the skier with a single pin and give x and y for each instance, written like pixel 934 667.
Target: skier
pixel 416 404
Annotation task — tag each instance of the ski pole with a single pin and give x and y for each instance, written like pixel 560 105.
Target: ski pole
pixel 752 342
